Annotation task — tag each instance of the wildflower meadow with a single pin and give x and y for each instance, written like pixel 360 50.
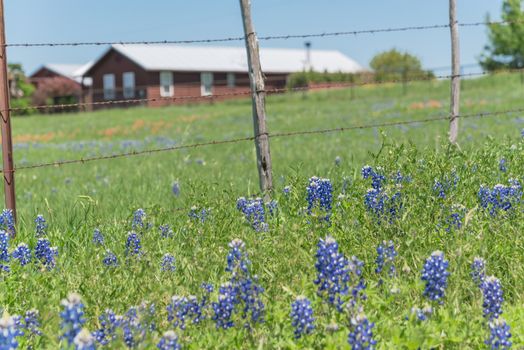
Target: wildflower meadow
pixel 373 240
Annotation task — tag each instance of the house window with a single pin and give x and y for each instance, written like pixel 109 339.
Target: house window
pixel 166 84
pixel 109 86
pixel 206 84
pixel 231 80
pixel 128 79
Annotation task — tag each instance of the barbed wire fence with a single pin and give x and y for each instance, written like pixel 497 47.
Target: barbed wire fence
pixel 256 91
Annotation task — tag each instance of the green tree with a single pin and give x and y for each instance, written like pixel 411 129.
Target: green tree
pixel 20 89
pixel 396 65
pixel 506 41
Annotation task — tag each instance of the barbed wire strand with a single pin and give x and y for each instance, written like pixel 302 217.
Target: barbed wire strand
pixel 265 38
pixel 251 138
pixel 248 92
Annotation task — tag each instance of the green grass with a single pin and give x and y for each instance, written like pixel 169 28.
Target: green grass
pixel 77 198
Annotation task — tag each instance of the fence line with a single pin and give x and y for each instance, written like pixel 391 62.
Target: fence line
pixel 248 92
pixel 265 38
pixel 270 135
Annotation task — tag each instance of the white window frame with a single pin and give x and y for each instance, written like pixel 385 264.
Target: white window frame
pixel 231 80
pixel 109 86
pixel 206 83
pixel 166 84
pixel 128 83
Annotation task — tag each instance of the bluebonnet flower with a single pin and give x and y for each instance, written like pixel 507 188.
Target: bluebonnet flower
pixel 499 335
pixel 422 314
pixel 98 238
pixel 22 253
pixel 7 222
pixel 319 196
pixel 493 297
pixel 286 190
pixel 500 197
pixel 237 259
pixel 169 342
pixel 435 274
pixel 380 201
pixel 455 218
pixel 175 188
pixel 45 253
pixel 445 185
pixel 502 165
pixel 110 259
pixel 165 231
pixel 207 289
pixel 254 212
pixel 249 291
pixel 134 331
pixel 302 316
pixel 32 322
pixel 223 309
pixel 356 284
pixel 72 317
pixel 4 247
pixel 139 217
pixel 478 270
pixel 377 179
pixel 133 245
pixel 198 215
pixel 9 332
pixel 361 333
pixel 109 323
pixel 272 207
pixel 386 254
pixel 84 340
pixel 181 309
pixel 168 263
pixel 332 272
pixel 40 226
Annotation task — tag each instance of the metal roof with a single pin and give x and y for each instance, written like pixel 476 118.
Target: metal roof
pixel 71 71
pixel 233 59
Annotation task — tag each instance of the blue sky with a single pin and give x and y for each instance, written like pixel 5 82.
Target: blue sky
pixel 114 20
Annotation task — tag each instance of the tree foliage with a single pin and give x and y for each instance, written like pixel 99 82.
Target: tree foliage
pixel 396 65
pixel 506 41
pixel 57 90
pixel 20 89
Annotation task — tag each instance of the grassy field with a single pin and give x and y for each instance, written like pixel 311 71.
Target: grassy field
pixel 76 199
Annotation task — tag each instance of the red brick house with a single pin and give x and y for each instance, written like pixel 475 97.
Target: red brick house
pixel 165 72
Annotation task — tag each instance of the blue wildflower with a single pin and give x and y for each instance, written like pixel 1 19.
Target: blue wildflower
pixel 45 253
pixel 456 217
pixel 7 222
pixel 134 331
pixel 175 188
pixel 139 217
pixel 380 201
pixel 223 309
pixel 72 317
pixel 4 246
pixel 110 259
pixel 109 323
pixel 286 190
pixel 98 238
pixel 500 197
pixel 302 316
pixel 386 254
pixel 254 212
pixel 502 165
pixel 84 340
pixel 272 207
pixel 493 297
pixel 332 272
pixel 9 332
pixel 319 196
pixel 422 314
pixel 169 342
pixel 499 335
pixel 435 274
pixel 377 179
pixel 198 215
pixel 165 231
pixel 445 185
pixel 40 226
pixel 133 245
pixel 360 336
pixel 478 270
pixel 32 322
pixel 181 309
pixel 168 263
pixel 208 289
pixel 22 253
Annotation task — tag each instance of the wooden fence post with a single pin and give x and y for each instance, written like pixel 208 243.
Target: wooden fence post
pixel 7 146
pixel 455 73
pixel 258 94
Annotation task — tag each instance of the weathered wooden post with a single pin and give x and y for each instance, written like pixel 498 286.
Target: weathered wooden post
pixel 455 73
pixel 7 145
pixel 258 94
